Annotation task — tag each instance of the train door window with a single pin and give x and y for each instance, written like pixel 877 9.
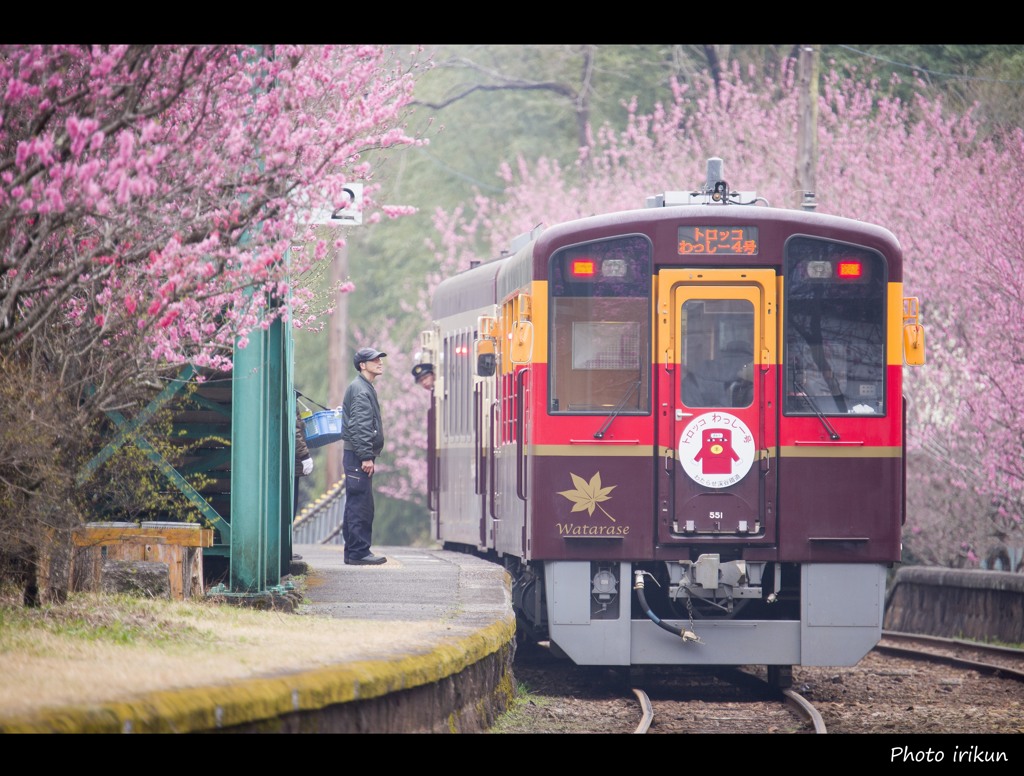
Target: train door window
pixel 600 327
pixel 446 420
pixel 457 405
pixel 834 328
pixel 508 416
pixel 466 355
pixel 717 355
pixel 462 384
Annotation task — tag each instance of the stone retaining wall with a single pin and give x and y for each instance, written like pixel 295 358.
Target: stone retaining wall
pixel 957 603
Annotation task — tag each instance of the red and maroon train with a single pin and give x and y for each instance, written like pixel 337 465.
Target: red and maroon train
pixel 681 429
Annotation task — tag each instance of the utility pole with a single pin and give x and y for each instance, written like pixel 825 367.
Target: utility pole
pixel 337 359
pixel 807 148
pixel 349 213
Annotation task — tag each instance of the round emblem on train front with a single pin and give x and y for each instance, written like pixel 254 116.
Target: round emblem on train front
pixel 716 449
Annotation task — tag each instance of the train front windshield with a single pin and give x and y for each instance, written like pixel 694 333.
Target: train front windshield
pixel 599 353
pixel 834 329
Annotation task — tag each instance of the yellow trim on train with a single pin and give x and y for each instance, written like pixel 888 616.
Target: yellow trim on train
pixel 539 292
pixel 539 317
pixel 626 450
pixel 619 450
pixel 894 337
pixel 764 291
pixel 826 450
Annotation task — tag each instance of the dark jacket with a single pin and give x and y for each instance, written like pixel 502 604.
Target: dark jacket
pixel 363 428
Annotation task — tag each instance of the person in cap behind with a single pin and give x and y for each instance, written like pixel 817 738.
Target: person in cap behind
pixel 303 464
pixel 423 374
pixel 363 432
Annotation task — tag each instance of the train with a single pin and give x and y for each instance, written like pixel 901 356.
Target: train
pixel 681 429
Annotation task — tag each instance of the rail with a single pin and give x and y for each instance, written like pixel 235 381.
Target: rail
pixel 319 522
pixel 646 708
pixel 805 709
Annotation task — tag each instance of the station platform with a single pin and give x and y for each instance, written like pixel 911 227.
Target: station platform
pixel 432 647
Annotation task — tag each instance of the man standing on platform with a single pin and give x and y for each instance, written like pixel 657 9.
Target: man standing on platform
pixel 363 432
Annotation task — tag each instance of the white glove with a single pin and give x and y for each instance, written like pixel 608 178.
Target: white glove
pixel 307 467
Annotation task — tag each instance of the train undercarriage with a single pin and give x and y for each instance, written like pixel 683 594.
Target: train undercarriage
pixel 708 611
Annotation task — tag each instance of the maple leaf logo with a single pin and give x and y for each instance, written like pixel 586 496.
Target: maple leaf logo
pixel 588 494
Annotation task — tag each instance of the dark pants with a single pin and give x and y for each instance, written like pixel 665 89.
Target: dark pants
pixel 357 525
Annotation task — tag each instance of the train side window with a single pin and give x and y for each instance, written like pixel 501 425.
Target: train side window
pixel 834 329
pixel 600 327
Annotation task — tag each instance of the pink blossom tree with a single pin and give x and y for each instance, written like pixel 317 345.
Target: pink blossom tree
pixel 948 194
pixel 156 190
pixel 150 195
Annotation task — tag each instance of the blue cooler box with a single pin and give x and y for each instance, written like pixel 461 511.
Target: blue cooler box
pixel 322 428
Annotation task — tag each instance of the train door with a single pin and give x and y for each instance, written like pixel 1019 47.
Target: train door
pixel 510 449
pixel 484 368
pixel 717 337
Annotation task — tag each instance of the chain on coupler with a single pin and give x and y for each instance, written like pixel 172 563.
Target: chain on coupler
pixel 691 633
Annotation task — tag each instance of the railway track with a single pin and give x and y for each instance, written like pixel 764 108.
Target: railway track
pixel 888 691
pixel 918 684
pixel 984 658
pixel 654 700
pixel 753 706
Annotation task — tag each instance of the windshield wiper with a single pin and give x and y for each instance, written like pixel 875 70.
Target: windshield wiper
pixel 832 433
pixel 599 434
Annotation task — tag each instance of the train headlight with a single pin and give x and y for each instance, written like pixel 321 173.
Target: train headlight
pixel 592 269
pixel 613 268
pixel 819 270
pixel 846 269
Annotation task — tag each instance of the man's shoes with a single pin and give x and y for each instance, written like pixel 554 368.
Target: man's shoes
pixel 296 556
pixel 367 560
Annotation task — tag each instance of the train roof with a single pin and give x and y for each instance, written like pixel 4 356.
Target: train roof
pixel 466 289
pixel 648 219
pixel 530 253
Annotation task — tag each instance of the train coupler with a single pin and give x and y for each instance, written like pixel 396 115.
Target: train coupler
pixel 689 635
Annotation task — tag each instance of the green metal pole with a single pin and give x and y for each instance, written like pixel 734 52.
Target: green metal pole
pixel 262 425
pixel 248 466
pixel 288 449
pixel 277 444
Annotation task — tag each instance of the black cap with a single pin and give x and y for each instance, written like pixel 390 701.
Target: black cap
pixel 421 370
pixel 365 354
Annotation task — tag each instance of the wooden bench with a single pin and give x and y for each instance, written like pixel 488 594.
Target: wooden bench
pixel 179 545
